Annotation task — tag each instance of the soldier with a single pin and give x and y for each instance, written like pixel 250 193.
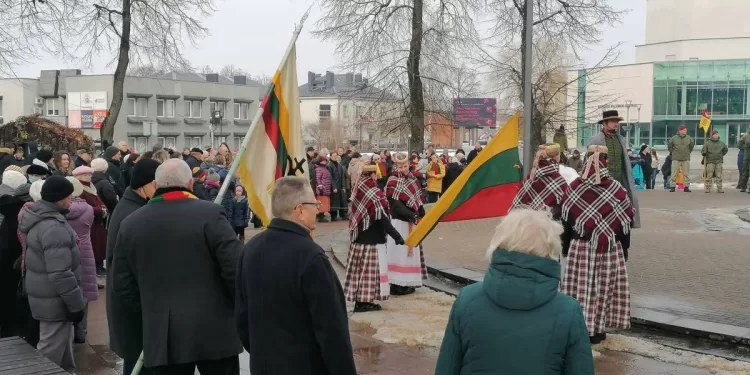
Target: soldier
pixel 680 146
pixel 744 145
pixel 714 151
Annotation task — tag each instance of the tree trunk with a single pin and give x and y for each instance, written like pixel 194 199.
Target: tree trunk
pixel 107 131
pixel 536 123
pixel 416 94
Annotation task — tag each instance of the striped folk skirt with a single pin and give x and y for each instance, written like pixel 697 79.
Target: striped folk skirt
pixel 599 281
pixel 366 274
pixel 405 269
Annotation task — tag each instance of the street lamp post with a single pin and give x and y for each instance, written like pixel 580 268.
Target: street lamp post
pixel 408 145
pixel 627 120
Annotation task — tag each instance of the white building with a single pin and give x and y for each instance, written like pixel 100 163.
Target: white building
pixel 696 56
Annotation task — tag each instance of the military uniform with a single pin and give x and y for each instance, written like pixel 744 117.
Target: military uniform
pixel 744 144
pixel 714 151
pixel 680 147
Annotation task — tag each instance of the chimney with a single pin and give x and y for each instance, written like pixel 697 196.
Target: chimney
pixel 240 80
pixel 212 77
pixel 310 80
pixel 330 77
pixel 350 79
pixel 358 78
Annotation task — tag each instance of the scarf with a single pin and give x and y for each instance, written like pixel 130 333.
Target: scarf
pixel 436 168
pixel 546 188
pixel 598 206
pixel 615 153
pixel 89 188
pixel 405 188
pixel 368 206
pixel 171 194
pixel 382 170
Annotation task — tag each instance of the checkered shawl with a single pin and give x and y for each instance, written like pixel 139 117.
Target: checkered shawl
pixel 599 210
pixel 368 206
pixel 546 189
pixel 404 187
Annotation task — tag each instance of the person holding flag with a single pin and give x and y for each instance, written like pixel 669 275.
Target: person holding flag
pixel 545 188
pixel 369 223
pixel 406 267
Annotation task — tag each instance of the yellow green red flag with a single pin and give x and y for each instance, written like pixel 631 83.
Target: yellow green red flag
pixel 705 122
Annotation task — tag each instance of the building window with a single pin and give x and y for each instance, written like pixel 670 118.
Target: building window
pixel 218 106
pixel 167 142
pixel 140 144
pixel 191 142
pixel 219 140
pixel 324 111
pixel 241 111
pixel 238 141
pixel 164 108
pixel 137 107
pixel 193 108
pixel 345 111
pixel 360 111
pixel 51 105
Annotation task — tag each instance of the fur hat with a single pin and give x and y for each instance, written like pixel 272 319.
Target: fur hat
pixel 16 168
pixel 14 179
pixel 99 165
pixel 35 191
pixel 36 170
pixel 77 186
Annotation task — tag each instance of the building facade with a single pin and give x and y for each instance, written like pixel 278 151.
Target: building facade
pixel 683 69
pixel 173 110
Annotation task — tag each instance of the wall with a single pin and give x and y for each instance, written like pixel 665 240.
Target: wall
pixel 671 20
pixel 706 49
pixel 18 97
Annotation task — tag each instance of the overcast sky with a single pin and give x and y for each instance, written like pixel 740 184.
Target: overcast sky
pixel 253 34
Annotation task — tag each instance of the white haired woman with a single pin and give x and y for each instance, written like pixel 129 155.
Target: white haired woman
pixel 406 267
pixel 369 226
pixel 545 188
pixel 597 216
pixel 516 321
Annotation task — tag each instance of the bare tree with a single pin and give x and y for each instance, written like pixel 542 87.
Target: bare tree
pixel 148 70
pixel 394 41
pixel 206 69
pixel 231 71
pixel 330 134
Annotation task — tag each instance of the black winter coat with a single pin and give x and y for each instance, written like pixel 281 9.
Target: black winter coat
pixel 291 311
pixel 105 188
pixel 185 290
pixel 199 189
pixel 451 174
pixel 125 324
pixel 240 213
pixel 376 233
pixel 115 176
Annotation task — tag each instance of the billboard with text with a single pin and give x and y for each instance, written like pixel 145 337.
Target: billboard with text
pixel 475 112
pixel 87 110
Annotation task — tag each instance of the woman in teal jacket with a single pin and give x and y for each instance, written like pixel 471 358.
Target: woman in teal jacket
pixel 516 321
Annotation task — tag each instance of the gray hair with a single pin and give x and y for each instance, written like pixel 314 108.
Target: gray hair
pixel 122 143
pixel 157 147
pixel 173 173
pixel 288 193
pixel 528 231
pixel 161 156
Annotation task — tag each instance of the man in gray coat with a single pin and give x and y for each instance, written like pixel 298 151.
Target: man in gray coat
pixel 175 261
pixel 53 271
pixel 619 162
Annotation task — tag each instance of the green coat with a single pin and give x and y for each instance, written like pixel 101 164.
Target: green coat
pixel 744 143
pixel 680 147
pixel 516 322
pixel 714 151
pixel 562 140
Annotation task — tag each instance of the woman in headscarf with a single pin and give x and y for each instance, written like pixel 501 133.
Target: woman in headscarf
pixel 597 216
pixel 545 188
pixel 406 267
pixel 369 222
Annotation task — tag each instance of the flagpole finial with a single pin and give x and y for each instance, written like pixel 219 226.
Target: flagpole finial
pixel 298 28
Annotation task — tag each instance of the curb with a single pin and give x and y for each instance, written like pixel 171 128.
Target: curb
pixel 642 317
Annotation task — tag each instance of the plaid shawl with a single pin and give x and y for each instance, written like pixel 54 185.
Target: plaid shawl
pixel 404 187
pixel 546 189
pixel 368 206
pixel 600 210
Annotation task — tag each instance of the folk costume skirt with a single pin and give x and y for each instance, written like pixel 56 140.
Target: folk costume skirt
pixel 599 281
pixel 366 274
pixel 404 269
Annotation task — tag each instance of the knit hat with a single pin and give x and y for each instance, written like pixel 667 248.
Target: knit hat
pixel 99 165
pixel 36 170
pixel 13 179
pixel 110 152
pixel 77 186
pixel 44 155
pixel 56 188
pixel 199 172
pixel 213 176
pixel 682 127
pixel 35 191
pixel 712 133
pixel 143 173
pixel 82 170
pixel 16 168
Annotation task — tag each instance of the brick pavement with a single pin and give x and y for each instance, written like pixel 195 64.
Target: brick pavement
pixel 690 258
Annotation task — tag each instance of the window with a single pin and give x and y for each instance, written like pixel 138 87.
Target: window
pixel 193 108
pixel 137 107
pixel 219 140
pixel 51 105
pixel 164 108
pixel 218 106
pixel 241 111
pixel 324 111
pixel 140 144
pixel 360 111
pixel 345 111
pixel 167 142
pixel 238 141
pixel 191 142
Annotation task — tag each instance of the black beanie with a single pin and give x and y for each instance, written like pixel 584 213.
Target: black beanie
pixel 44 155
pixel 56 188
pixel 37 170
pixel 110 152
pixel 143 172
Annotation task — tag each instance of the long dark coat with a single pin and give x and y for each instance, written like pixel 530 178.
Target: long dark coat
pixel 338 182
pixel 175 261
pixel 98 229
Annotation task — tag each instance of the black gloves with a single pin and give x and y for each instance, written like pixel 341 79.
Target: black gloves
pixel 75 317
pixel 400 241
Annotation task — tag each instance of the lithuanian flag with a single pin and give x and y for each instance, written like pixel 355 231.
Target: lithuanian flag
pixel 486 187
pixel 274 144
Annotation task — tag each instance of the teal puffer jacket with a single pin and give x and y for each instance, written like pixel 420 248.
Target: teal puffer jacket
pixel 516 322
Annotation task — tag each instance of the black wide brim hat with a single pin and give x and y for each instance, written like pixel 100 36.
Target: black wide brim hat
pixel 610 115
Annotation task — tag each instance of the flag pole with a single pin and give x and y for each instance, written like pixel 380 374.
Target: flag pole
pixel 259 113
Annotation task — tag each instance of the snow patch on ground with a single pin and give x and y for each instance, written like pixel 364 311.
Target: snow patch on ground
pixel 418 319
pixel 715 365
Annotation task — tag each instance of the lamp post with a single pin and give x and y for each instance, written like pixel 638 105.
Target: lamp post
pixel 408 145
pixel 216 119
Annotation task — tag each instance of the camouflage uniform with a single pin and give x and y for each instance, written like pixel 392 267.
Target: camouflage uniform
pixel 714 151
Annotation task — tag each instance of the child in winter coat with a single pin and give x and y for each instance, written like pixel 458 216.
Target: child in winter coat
pixel 240 212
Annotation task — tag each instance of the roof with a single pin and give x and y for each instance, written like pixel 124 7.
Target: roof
pixel 341 87
pixel 197 77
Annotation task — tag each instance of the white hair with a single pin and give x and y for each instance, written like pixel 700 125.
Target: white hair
pixel 173 173
pixel 99 165
pixel 122 143
pixel 528 231
pixel 453 159
pixel 288 193
pixel 35 191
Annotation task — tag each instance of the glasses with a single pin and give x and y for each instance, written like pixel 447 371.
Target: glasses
pixel 316 204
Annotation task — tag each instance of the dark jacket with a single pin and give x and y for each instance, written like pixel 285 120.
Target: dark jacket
pixel 125 324
pixel 516 322
pixel 666 168
pixel 472 154
pixel 376 233
pixel 106 190
pixel 240 213
pixel 187 311
pixel 6 159
pixel 199 189
pixel 10 251
pixel 291 312
pixel 113 171
pixel 126 170
pixel 192 162
pixel 452 171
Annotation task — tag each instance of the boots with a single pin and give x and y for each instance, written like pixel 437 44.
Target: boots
pixel 686 190
pixel 398 290
pixel 366 307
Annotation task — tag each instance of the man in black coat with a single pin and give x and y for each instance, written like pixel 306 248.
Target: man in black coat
pixel 290 309
pixel 473 153
pixel 113 158
pixel 175 260
pixel 195 159
pixel 125 326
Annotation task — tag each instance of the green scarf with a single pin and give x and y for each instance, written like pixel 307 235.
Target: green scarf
pixel 614 156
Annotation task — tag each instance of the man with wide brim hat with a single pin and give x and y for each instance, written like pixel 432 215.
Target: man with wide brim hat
pixel 619 163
